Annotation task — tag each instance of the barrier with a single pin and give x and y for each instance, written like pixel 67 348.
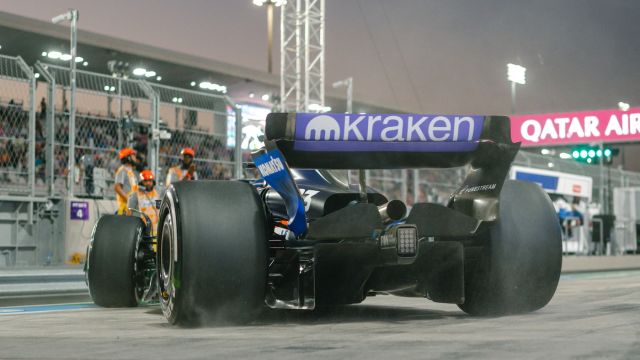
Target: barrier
pixel 111 113
pixel 202 121
pixel 18 140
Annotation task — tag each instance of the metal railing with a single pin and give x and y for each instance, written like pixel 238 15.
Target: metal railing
pixel 202 121
pixel 112 113
pixel 18 137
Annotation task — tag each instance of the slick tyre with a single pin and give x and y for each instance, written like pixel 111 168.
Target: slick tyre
pixel 518 267
pixel 111 267
pixel 212 253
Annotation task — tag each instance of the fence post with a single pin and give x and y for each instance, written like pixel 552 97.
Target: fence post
pixel 49 129
pixel 155 132
pixel 416 186
pixel 121 140
pixel 31 138
pixel 31 157
pixel 153 152
pixel 405 179
pixel 238 147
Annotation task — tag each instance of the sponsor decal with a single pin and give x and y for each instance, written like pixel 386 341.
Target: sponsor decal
pixel 387 132
pixel 272 167
pixel 79 210
pixel 471 189
pixel 307 195
pixel 576 127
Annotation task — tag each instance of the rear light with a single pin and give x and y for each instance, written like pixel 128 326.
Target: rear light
pixel 407 238
pixel 402 237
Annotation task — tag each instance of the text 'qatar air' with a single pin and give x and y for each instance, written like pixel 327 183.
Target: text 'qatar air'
pixel 578 127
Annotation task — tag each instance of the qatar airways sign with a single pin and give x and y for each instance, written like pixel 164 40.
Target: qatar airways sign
pixel 576 127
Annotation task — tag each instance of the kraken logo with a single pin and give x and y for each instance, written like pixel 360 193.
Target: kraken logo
pixel 322 127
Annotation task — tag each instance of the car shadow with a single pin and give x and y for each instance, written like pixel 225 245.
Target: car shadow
pixel 352 314
pixel 358 313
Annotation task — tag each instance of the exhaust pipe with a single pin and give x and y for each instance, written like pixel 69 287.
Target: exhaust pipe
pixel 392 211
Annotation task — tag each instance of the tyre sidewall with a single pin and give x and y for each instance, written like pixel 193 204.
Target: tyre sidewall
pixel 221 255
pixel 111 262
pixel 521 263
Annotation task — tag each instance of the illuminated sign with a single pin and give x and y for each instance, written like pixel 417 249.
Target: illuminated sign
pixel 253 118
pixel 576 127
pixel 555 182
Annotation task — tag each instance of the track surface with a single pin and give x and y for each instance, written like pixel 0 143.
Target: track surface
pixel 592 316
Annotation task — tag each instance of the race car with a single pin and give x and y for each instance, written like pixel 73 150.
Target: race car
pixel 302 237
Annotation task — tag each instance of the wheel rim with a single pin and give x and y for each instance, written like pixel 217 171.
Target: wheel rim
pixel 138 290
pixel 166 266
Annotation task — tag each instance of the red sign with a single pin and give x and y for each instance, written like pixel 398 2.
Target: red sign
pixel 576 127
pixel 577 188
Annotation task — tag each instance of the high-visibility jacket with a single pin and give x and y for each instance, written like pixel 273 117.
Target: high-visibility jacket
pixel 147 205
pixel 133 187
pixel 179 174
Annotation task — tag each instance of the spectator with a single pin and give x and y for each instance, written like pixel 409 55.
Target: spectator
pixel 86 172
pixel 43 109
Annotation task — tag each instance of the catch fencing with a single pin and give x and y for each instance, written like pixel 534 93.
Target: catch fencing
pixel 202 121
pixel 111 113
pixel 436 185
pixel 19 140
pixel 159 121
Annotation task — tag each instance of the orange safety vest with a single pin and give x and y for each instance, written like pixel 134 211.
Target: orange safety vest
pixel 133 183
pixel 147 205
pixel 180 174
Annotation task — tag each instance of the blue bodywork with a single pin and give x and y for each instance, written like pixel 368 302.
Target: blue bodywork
pixel 274 170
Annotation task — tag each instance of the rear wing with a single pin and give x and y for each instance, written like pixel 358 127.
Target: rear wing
pixel 386 141
pixel 391 141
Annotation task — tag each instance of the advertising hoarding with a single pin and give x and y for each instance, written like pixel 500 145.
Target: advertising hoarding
pixel 580 127
pixel 554 181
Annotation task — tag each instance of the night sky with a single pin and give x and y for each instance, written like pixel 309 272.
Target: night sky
pixel 446 56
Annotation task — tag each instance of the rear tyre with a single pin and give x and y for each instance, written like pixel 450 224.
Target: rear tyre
pixel 212 252
pixel 518 269
pixel 111 267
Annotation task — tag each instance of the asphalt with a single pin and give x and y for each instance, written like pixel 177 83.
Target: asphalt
pixel 592 316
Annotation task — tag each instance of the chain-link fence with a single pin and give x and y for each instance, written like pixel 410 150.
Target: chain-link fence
pixel 20 143
pixel 201 121
pixel 413 186
pixel 436 185
pixel 114 112
pixel 111 113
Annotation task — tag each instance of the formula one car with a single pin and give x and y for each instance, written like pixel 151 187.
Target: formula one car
pixel 300 238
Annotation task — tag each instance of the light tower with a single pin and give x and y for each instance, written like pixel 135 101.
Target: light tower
pixel 270 4
pixel 71 16
pixel 302 55
pixel 517 75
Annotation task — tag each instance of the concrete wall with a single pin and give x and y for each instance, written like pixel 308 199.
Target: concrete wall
pixel 53 238
pixel 77 233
